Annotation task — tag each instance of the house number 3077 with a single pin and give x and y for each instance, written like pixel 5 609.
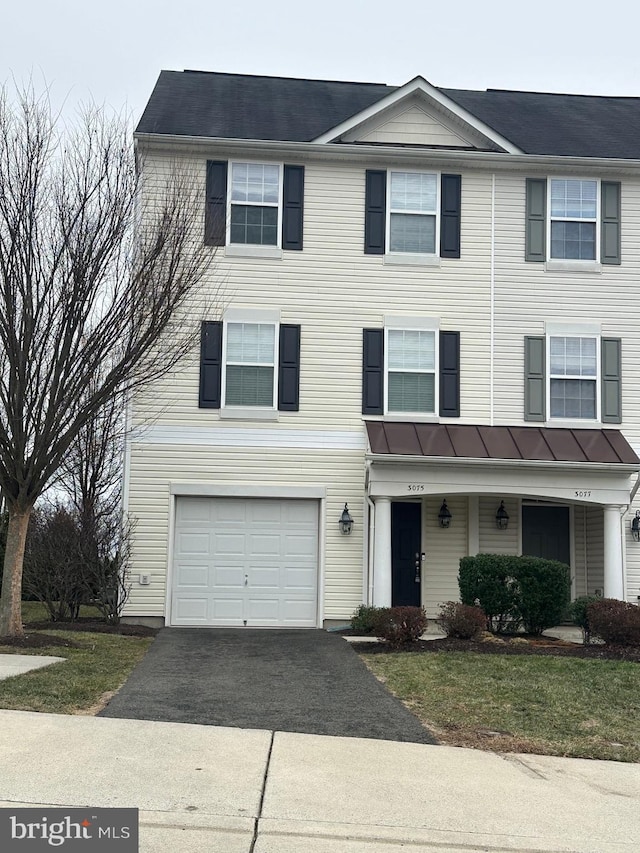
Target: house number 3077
pixel 415 487
pixel 582 493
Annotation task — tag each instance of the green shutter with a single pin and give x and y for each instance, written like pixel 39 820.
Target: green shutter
pixel 610 234
pixel 611 356
pixel 536 220
pixel 535 382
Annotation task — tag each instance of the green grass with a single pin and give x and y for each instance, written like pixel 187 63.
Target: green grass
pixel 35 611
pixel 542 704
pixel 100 665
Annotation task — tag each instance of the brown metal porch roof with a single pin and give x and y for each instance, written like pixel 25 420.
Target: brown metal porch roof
pixel 531 443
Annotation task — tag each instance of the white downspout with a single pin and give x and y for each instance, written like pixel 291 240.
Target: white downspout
pixel 492 298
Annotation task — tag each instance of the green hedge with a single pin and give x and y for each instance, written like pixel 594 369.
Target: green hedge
pixel 515 591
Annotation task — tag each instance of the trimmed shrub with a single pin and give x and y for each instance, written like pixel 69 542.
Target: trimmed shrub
pixel 363 620
pixel 400 626
pixel 615 622
pixel 514 590
pixel 544 590
pixel 464 621
pixel 578 614
pixel 486 580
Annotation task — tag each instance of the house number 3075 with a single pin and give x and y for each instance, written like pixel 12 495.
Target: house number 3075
pixel 582 493
pixel 415 487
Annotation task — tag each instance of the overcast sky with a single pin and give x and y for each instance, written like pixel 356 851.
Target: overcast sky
pixel 114 51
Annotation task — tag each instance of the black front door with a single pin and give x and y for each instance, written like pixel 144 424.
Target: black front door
pixel 405 545
pixel 545 532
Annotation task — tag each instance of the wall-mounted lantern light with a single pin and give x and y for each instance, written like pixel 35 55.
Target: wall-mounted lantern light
pixel 346 522
pixel 502 517
pixel 444 516
pixel 635 526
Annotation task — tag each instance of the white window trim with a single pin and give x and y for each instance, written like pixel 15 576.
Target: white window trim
pixel 427 325
pixel 574 333
pixel 570 264
pixel 272 250
pixel 418 257
pixel 249 318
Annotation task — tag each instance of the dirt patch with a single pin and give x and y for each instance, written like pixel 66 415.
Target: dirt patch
pixel 38 641
pixel 532 646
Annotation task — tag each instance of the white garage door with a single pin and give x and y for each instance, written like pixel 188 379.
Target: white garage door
pixel 245 562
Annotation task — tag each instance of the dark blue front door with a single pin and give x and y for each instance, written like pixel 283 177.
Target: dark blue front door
pixel 405 548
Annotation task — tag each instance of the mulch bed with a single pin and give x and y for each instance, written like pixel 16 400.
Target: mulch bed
pixel 94 626
pixel 533 646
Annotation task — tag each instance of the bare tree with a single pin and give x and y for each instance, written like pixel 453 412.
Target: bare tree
pixel 89 304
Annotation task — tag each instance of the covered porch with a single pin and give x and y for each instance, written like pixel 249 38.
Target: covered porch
pixel 565 492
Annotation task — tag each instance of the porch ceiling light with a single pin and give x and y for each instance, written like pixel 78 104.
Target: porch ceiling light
pixel 444 516
pixel 346 522
pixel 502 517
pixel 635 526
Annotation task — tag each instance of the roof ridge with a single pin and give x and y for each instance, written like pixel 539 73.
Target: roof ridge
pixel 279 77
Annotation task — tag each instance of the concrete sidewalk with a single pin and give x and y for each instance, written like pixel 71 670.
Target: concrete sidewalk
pixel 205 789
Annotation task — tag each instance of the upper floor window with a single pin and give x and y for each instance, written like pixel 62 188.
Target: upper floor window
pixel 255 203
pixel 573 217
pixel 412 217
pixel 573 378
pixel 250 365
pixel 411 371
pixel 572 373
pixel 250 358
pixel 413 212
pixel 574 222
pixel 255 209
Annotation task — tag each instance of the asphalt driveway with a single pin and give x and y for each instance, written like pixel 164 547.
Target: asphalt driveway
pixel 293 681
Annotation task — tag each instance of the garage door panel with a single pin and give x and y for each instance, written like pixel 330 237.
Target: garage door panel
pixel 194 543
pixel 265 545
pixel 228 576
pixel 193 510
pixel 260 567
pixel 194 576
pixel 192 610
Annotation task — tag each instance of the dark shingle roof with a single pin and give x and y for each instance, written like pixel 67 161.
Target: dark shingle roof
pixel 568 125
pixel 237 106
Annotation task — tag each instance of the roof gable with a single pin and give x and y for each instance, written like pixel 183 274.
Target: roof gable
pixel 446 120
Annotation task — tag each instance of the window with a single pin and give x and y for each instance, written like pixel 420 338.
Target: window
pixel 411 371
pixel 573 221
pixel 573 378
pixel 412 217
pixel 413 204
pixel 254 205
pixel 250 358
pixel 573 374
pixel 573 215
pixel 249 362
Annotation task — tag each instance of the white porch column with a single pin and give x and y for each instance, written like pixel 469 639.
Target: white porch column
pixel 382 554
pixel 613 573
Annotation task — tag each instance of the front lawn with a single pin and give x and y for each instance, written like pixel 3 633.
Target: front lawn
pixel 547 705
pixel 96 665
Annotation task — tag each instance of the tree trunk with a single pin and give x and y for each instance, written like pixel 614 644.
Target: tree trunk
pixel 11 599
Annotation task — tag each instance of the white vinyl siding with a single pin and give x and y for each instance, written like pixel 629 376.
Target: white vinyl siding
pixel 412 220
pixel 573 218
pixel 254 204
pixel 443 549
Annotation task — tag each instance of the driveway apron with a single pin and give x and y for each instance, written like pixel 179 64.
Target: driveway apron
pixel 294 681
